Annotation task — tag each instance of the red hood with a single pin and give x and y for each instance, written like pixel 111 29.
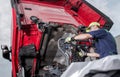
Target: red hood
pixel 48 13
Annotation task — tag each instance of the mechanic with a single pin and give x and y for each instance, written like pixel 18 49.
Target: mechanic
pixel 104 45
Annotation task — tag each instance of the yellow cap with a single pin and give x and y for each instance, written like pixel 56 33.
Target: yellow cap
pixel 94 23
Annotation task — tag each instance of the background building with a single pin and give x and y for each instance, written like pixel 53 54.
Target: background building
pixel 118 43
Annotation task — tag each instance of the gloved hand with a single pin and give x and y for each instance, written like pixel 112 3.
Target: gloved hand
pixel 69 38
pixel 82 54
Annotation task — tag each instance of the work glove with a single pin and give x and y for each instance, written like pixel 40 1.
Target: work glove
pixel 70 38
pixel 82 54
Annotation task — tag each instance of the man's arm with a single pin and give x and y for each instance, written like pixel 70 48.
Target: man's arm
pixel 83 36
pixel 93 54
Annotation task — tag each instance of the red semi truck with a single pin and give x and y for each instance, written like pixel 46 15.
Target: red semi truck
pixel 38 25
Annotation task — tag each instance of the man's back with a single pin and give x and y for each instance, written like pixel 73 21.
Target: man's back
pixel 105 43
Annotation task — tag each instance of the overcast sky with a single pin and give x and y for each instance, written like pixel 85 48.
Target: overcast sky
pixel 5 34
pixel 109 7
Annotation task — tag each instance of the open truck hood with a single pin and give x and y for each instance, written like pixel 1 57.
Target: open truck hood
pixel 76 12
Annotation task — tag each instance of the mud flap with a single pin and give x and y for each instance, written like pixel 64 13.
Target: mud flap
pixel 26 57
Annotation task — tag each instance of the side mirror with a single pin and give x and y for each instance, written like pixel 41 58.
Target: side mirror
pixel 5 52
